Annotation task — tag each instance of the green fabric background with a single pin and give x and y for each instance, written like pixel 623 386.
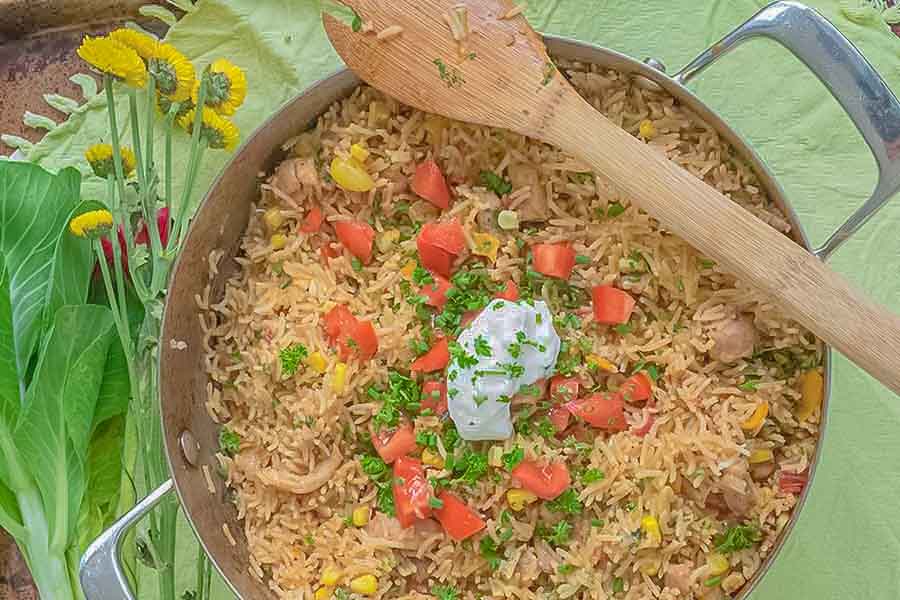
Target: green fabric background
pixel 847 542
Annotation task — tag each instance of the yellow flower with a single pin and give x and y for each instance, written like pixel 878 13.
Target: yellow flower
pixel 218 131
pixel 163 104
pixel 140 42
pixel 174 73
pixel 91 224
pixel 114 58
pixel 100 157
pixel 226 87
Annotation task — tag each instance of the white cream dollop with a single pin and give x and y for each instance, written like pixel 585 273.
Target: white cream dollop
pixel 478 394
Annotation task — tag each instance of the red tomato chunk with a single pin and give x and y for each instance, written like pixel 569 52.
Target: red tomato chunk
pixel 434 397
pixel 458 520
pixel 433 360
pixel 391 445
pixel 554 260
pixel 429 183
pixel 612 306
pixel 605 410
pixel 412 493
pixel 357 237
pixel 545 481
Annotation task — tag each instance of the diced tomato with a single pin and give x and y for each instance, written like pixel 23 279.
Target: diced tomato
pixel 510 292
pixel 564 389
pixel 313 221
pixel 360 337
pixel 554 260
pixel 328 251
pixel 468 317
pixel 559 417
pixel 637 388
pixel 412 493
pixel 436 292
pixel 433 360
pixel 545 481
pixel 357 237
pixel 792 483
pixel 605 410
pixel 434 397
pixel 391 445
pixel 428 182
pixel 645 427
pixel 338 320
pixel 439 244
pixel 458 520
pixel 612 306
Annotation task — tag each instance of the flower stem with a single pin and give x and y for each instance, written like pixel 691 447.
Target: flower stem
pixel 136 136
pixel 193 166
pixel 120 290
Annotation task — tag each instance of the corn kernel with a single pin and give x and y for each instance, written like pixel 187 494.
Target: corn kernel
pixel 278 241
pixel 647 129
pixel 432 459
pixel 323 593
pixel 650 566
pixel 508 220
pixel 388 239
pixel 330 576
pixel 408 268
pixel 359 153
pixel 361 516
pixel 273 219
pixel 760 455
pixel 598 362
pixel 812 392
pixel 718 564
pixel 364 584
pixel 339 378
pixel 351 175
pixel 650 528
pixel 317 362
pixel 756 420
pixel 485 245
pixel 518 498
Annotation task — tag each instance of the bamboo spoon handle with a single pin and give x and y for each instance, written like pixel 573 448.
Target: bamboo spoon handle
pixel 808 291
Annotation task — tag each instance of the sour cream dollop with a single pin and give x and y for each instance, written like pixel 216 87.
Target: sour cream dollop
pixel 508 346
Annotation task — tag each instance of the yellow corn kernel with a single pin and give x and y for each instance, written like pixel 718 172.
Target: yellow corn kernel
pixel 650 566
pixel 485 245
pixel 317 362
pixel 361 516
pixel 330 576
pixel 323 593
pixel 756 420
pixel 388 239
pixel 647 129
pixel 351 175
pixel 339 378
pixel 273 219
pixel 651 531
pixel 718 564
pixel 812 392
pixel 278 241
pixel 359 153
pixel 432 459
pixel 598 362
pixel 518 498
pixel 760 455
pixel 408 268
pixel 364 584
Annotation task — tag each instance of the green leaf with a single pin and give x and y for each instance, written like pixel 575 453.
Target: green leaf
pixel 87 84
pixel 61 103
pixel 163 14
pixel 104 470
pixel 10 518
pixel 115 391
pixel 37 121
pixel 54 428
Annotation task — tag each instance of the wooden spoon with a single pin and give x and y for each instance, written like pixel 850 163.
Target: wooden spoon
pixel 506 79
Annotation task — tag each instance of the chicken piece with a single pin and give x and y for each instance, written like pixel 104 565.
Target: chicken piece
pixel 738 489
pixel 301 484
pixel 733 582
pixel 294 173
pixel 733 340
pixel 762 471
pixel 387 531
pixel 678 576
pixel 535 208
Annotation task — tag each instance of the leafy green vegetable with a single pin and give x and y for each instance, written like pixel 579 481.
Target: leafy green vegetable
pixel 567 503
pixel 459 355
pixel 401 396
pixel 428 439
pixel 592 476
pixel 482 347
pixel 290 358
pixel 557 535
pixel 737 537
pixel 444 592
pixel 565 569
pixel 713 581
pixel 229 441
pixel 470 468
pixel 618 585
pixel 623 328
pixel 436 503
pixel 581 259
pixel 615 209
pixel 489 550
pixel 750 383
pixel 470 290
pixel 512 458
pixel 495 183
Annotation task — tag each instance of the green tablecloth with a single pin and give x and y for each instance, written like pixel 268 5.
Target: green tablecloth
pixel 847 542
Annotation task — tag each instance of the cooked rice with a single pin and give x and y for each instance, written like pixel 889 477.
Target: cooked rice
pixel 693 453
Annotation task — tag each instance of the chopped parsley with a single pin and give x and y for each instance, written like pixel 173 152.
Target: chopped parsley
pixel 290 358
pixel 630 506
pixel 531 390
pixel 650 369
pixel 419 347
pixel 567 503
pixel 435 502
pixel 750 383
pixel 356 264
pixel 549 70
pixel 565 569
pixel 482 347
pixel 512 458
pixel 489 549
pixel 581 259
pixel 470 290
pixel 384 499
pixel 449 75
pixel 557 535
pixel 341 594
pixel 356 23
pixel 623 328
pixel 713 581
pixel 420 276
pixel 380 474
pixel 495 183
pixel 545 428
pixel 402 395
pixel 618 585
pixel 597 522
pixel 737 537
pixel 229 441
pixel 707 264
pixel 429 439
pixel 615 209
pixel 592 476
pixel 462 358
pixel 470 468
pixel 444 592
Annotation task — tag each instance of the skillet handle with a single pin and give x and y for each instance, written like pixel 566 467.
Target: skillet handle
pixel 100 572
pixel 849 77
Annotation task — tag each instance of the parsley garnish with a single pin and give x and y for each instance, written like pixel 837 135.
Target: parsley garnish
pixel 738 537
pixel 444 592
pixel 495 183
pixel 567 503
pixel 470 468
pixel 512 458
pixel 229 441
pixel 290 358
pixel 558 535
pixel 435 503
pixel 549 70
pixel 531 390
pixel 356 23
pixel 460 356
pixel 618 585
pixel 750 383
pixel 470 290
pixel 581 259
pixel 592 476
pixel 623 328
pixel 713 581
pixel 545 428
pixel 402 395
pixel 450 75
pixel 615 209
pixel 482 347
pixel 420 276
pixel 380 474
pixel 356 264
pixel 427 439
pixel 489 550
pixel 565 569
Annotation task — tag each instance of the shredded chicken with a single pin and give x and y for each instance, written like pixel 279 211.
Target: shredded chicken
pixel 301 484
pixel 738 490
pixel 535 207
pixel 678 576
pixel 294 173
pixel 386 531
pixel 733 340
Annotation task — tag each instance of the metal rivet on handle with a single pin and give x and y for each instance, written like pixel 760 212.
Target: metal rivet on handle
pixel 190 449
